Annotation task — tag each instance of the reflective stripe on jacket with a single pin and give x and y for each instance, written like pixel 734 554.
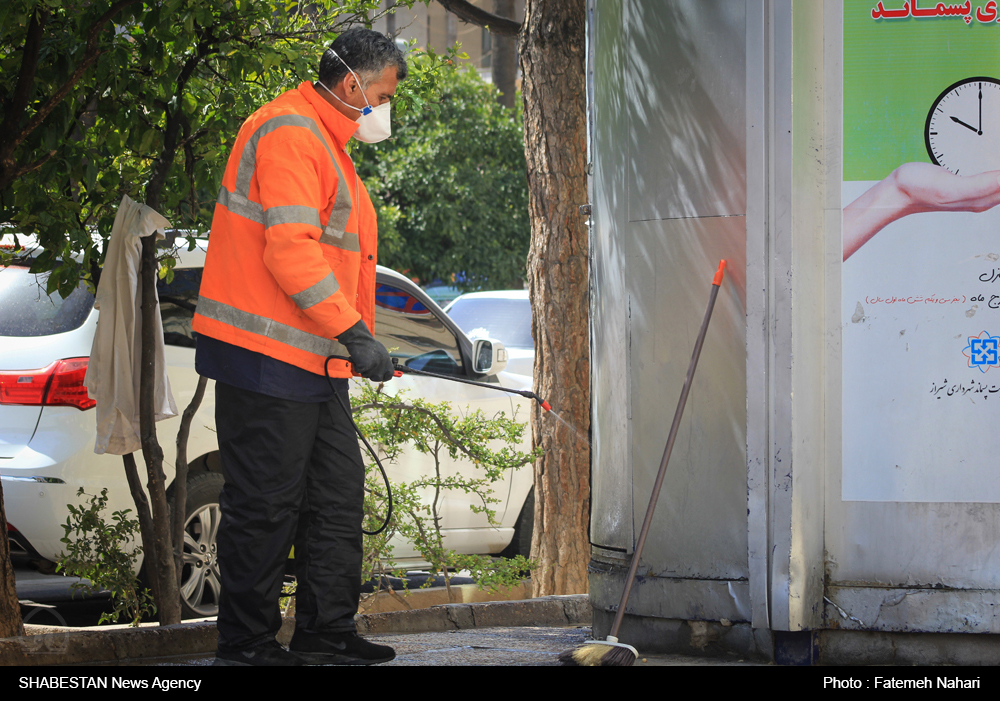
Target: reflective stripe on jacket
pixel 291 260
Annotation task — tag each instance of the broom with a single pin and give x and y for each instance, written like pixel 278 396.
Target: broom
pixel 609 652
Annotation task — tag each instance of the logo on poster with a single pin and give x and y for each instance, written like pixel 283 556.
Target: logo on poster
pixel 983 351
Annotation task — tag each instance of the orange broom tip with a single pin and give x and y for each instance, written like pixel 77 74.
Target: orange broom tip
pixel 717 280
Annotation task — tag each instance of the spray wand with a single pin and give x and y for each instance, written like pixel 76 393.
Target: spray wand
pixel 402 369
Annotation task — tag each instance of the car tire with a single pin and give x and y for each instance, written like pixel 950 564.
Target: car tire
pixel 200 580
pixel 520 544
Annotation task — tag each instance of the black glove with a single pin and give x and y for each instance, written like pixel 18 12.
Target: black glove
pixel 370 358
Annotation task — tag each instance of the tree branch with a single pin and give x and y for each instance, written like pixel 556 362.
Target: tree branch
pixel 469 13
pixel 452 438
pixel 180 478
pixel 28 167
pixel 191 137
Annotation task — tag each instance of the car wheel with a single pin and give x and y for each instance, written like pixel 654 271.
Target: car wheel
pixel 200 580
pixel 520 544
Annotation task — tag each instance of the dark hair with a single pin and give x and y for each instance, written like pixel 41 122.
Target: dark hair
pixel 367 52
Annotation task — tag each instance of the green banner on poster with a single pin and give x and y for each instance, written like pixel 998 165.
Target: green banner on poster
pixel 894 70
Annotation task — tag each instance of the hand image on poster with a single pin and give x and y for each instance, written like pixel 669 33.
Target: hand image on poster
pixel 962 137
pixel 920 278
pixel 914 188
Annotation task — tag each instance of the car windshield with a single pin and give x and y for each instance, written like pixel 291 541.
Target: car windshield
pixel 26 310
pixel 506 320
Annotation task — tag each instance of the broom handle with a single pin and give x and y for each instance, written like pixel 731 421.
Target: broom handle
pixel 716 282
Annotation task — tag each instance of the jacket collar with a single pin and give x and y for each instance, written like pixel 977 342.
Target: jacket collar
pixel 340 127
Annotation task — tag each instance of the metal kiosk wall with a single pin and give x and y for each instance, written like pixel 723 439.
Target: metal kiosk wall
pixel 833 494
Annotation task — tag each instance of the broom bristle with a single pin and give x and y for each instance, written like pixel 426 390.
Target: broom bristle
pixel 598 654
pixel 618 657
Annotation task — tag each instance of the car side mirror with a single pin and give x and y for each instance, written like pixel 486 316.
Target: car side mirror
pixel 488 356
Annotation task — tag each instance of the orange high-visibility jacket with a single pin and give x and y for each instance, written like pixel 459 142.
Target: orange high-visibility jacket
pixel 291 260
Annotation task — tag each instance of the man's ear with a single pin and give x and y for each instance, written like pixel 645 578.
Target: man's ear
pixel 349 84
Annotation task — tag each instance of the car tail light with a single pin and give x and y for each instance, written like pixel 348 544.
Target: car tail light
pixel 59 384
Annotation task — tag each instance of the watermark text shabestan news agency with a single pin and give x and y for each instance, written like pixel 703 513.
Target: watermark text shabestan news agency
pixel 69 682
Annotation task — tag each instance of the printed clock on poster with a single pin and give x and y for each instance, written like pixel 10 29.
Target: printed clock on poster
pixel 962 132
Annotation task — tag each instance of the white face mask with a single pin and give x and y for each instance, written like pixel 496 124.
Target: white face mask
pixel 374 124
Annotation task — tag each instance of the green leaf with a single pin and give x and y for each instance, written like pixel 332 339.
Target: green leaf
pixel 146 145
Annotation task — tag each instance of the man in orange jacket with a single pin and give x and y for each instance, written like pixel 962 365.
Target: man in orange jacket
pixel 289 280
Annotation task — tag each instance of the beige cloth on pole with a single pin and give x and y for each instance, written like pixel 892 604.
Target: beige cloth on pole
pixel 113 372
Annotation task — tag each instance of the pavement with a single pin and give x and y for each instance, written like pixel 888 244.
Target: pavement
pixel 528 632
pixel 475 629
pixel 459 626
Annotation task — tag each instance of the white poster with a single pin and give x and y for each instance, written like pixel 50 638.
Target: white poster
pixel 921 235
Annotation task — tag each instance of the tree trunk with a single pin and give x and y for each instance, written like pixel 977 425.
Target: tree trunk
pixel 553 86
pixel 145 518
pixel 160 566
pixel 504 63
pixel 10 610
pixel 169 604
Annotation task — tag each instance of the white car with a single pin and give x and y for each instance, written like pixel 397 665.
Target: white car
pixel 503 314
pixel 47 430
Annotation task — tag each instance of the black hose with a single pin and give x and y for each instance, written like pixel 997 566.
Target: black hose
pixel 350 416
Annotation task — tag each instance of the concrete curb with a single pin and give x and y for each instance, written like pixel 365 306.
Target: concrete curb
pixel 88 646
pixel 547 611
pixel 69 646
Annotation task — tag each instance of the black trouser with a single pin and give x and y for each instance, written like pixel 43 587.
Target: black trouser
pixel 294 474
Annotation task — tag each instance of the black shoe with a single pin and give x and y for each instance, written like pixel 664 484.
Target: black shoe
pixel 269 654
pixel 339 649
